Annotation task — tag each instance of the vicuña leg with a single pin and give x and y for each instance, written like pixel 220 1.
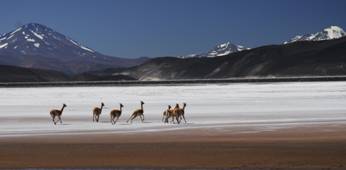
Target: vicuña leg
pixel 53 118
pixel 131 118
pixel 54 121
pixel 142 118
pixel 116 120
pixel 60 119
pixel 177 118
pixel 183 118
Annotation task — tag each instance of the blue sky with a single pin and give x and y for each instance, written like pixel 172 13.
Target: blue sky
pixel 133 28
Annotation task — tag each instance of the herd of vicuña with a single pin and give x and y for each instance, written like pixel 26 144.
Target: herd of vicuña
pixel 176 114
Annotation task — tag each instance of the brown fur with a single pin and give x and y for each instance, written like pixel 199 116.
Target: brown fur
pixel 115 114
pixel 166 113
pixel 137 113
pixel 57 113
pixel 174 114
pixel 97 112
pixel 181 113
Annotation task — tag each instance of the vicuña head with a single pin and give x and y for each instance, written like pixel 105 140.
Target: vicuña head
pixel 176 106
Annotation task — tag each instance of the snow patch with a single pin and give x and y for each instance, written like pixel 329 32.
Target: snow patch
pixel 3 45
pixel 81 46
pixel 30 40
pixel 87 49
pixel 10 37
pixel 334 32
pixel 223 54
pixel 37 45
pixel 75 43
pixel 37 35
pixel 18 29
pixel 223 45
pixel 189 56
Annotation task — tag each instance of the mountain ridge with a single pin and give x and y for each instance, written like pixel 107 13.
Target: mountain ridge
pixel 304 58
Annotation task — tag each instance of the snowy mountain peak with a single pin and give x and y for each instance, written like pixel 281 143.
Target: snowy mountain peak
pixel 36 27
pixel 334 32
pixel 219 50
pixel 225 49
pixel 329 33
pixel 38 39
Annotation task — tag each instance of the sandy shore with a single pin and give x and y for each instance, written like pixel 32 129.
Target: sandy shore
pixel 307 147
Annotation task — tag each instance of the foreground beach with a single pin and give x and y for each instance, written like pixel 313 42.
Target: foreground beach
pixel 241 126
pixel 307 147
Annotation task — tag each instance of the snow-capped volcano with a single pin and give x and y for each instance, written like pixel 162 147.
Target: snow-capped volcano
pixel 37 39
pixel 37 46
pixel 220 50
pixel 332 32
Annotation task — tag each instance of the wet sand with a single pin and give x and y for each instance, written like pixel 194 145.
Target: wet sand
pixel 307 147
